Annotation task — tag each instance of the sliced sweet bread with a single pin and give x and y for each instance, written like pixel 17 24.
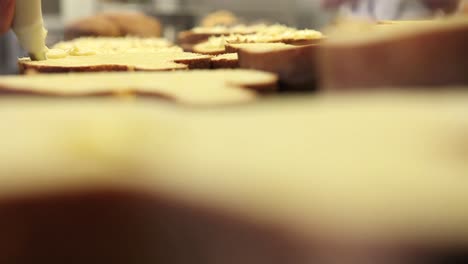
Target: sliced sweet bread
pixel 110 45
pixel 225 61
pixel 187 87
pixel 273 34
pixel 294 65
pixel 231 59
pixel 187 39
pixel 398 54
pixel 91 61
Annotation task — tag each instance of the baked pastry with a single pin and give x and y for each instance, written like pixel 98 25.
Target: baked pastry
pixel 225 61
pixel 114 25
pixel 272 34
pixel 220 18
pixel 194 87
pixel 430 53
pixel 92 61
pixel 378 179
pixel 294 65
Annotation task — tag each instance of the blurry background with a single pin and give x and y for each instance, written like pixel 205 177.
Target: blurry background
pixel 176 15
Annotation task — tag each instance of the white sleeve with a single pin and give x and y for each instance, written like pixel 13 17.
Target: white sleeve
pixel 388 9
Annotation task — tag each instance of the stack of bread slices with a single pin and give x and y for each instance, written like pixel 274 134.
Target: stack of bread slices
pixel 130 149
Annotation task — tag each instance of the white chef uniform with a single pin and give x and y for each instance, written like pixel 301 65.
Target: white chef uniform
pixel 388 9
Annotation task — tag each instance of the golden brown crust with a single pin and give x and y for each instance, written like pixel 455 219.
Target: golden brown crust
pixel 114 25
pixel 211 51
pixel 226 61
pixel 24 68
pixel 236 47
pixel 434 57
pixel 295 66
pixel 195 64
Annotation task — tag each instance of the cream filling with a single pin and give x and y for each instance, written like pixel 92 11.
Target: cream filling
pixel 103 45
pixel 57 54
pixel 32 38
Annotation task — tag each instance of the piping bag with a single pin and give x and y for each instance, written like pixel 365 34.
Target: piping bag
pixel 28 26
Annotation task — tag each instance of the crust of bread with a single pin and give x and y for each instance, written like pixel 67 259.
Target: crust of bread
pixel 219 87
pixel 235 47
pixel 295 66
pixel 411 54
pixel 114 25
pixel 225 61
pixel 200 49
pixel 164 61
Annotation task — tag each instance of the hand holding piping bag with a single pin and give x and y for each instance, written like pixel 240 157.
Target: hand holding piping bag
pixel 25 18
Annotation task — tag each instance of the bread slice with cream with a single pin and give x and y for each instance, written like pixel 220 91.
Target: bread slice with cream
pixel 188 39
pixel 272 34
pixel 110 45
pixel 398 54
pixel 185 87
pixel 353 179
pixel 90 61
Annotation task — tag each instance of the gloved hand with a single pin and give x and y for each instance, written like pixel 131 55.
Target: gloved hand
pixel 7 10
